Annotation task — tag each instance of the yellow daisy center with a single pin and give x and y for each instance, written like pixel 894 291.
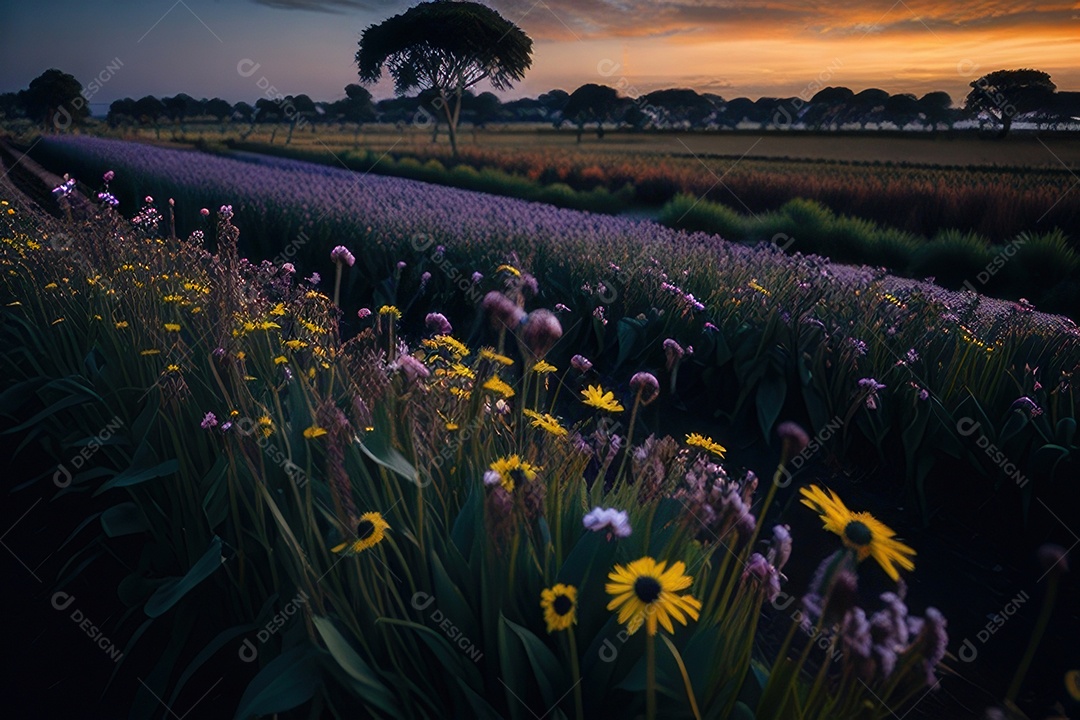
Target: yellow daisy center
pixel 562 605
pixel 647 589
pixel 364 529
pixel 858 533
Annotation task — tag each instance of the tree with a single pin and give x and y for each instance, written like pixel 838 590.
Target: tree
pixel 679 106
pixel 11 106
pixel 121 111
pixel 447 47
pixel 591 103
pixel 356 108
pixel 150 110
pixel 936 107
pixel 220 110
pixel 1004 94
pixel 298 109
pixel 267 110
pixel 55 98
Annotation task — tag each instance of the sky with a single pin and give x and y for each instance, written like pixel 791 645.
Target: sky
pixel 246 49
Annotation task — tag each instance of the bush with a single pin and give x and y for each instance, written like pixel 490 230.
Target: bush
pixel 952 258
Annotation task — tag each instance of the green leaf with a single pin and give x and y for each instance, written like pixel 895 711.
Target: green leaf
pixel 770 401
pixel 547 670
pixel 371 688
pixel 286 682
pixel 376 445
pixel 630 333
pixel 142 469
pixel 170 593
pixel 123 519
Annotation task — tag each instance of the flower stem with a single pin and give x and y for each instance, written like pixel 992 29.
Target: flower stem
pixel 650 677
pixel 1036 636
pixel 629 435
pixel 575 668
pixel 337 283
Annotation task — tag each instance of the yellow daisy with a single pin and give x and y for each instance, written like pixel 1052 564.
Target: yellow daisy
pixel 560 606
pixel 172 327
pixel 595 396
pixel 313 432
pixel 545 421
pixel 266 425
pixel 390 310
pixel 705 443
pixel 370 531
pixel 489 354
pixel 495 384
pixel 510 269
pixel 543 367
pixel 452 344
pixel 121 325
pixel 512 470
pixel 860 531
pixel 646 592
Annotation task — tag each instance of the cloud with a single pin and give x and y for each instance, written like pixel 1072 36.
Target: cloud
pixel 565 19
pixel 329 6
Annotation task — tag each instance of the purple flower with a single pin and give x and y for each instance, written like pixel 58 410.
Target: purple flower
pixel 108 199
pixel 225 426
pixel 559 307
pixel 363 313
pixel 412 368
pixel 108 176
pixel 761 572
pixel 401 265
pixel 1026 404
pixel 208 421
pixel 341 254
pixel 148 199
pixel 438 324
pixel 871 386
pixel 425 278
pixel 780 548
pixel 477 277
pixel 315 278
pixel 581 363
pixel 288 268
pixel 647 385
pixel 204 212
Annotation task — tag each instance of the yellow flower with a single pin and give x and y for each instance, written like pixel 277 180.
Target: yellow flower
pixel 313 432
pixel 278 309
pixel 452 344
pixel 172 298
pixel 390 310
pixel 646 592
pixel 495 384
pixel 172 368
pixel 461 393
pixel 511 470
pixel 545 421
pixel 451 426
pixel 560 606
pixel 266 425
pixel 510 269
pixel 280 360
pixel 705 443
pixel 241 355
pixel 489 354
pixel 370 530
pixel 121 325
pixel 172 327
pixel 50 286
pixel 295 344
pixel 595 396
pixel 860 531
pixel 544 367
pixel 267 325
pixel 756 286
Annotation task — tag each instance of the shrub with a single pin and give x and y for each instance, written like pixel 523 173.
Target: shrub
pixel 952 258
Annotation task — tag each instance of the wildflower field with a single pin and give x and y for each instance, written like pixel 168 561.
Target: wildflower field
pixel 369 447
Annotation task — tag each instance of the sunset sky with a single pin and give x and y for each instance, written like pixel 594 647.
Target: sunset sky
pixel 729 47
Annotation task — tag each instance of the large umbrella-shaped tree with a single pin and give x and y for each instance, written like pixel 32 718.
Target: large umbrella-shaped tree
pixel 445 47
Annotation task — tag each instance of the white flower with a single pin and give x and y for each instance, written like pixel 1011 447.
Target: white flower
pixel 614 521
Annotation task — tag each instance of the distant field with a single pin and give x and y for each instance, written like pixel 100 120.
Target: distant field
pixel 946 150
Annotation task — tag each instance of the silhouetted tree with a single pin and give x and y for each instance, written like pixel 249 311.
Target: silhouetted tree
pixel 591 103
pixel 678 105
pixel 447 47
pixel 55 99
pixel 1004 94
pixel 149 111
pixel 11 106
pixel 220 110
pixel 936 107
